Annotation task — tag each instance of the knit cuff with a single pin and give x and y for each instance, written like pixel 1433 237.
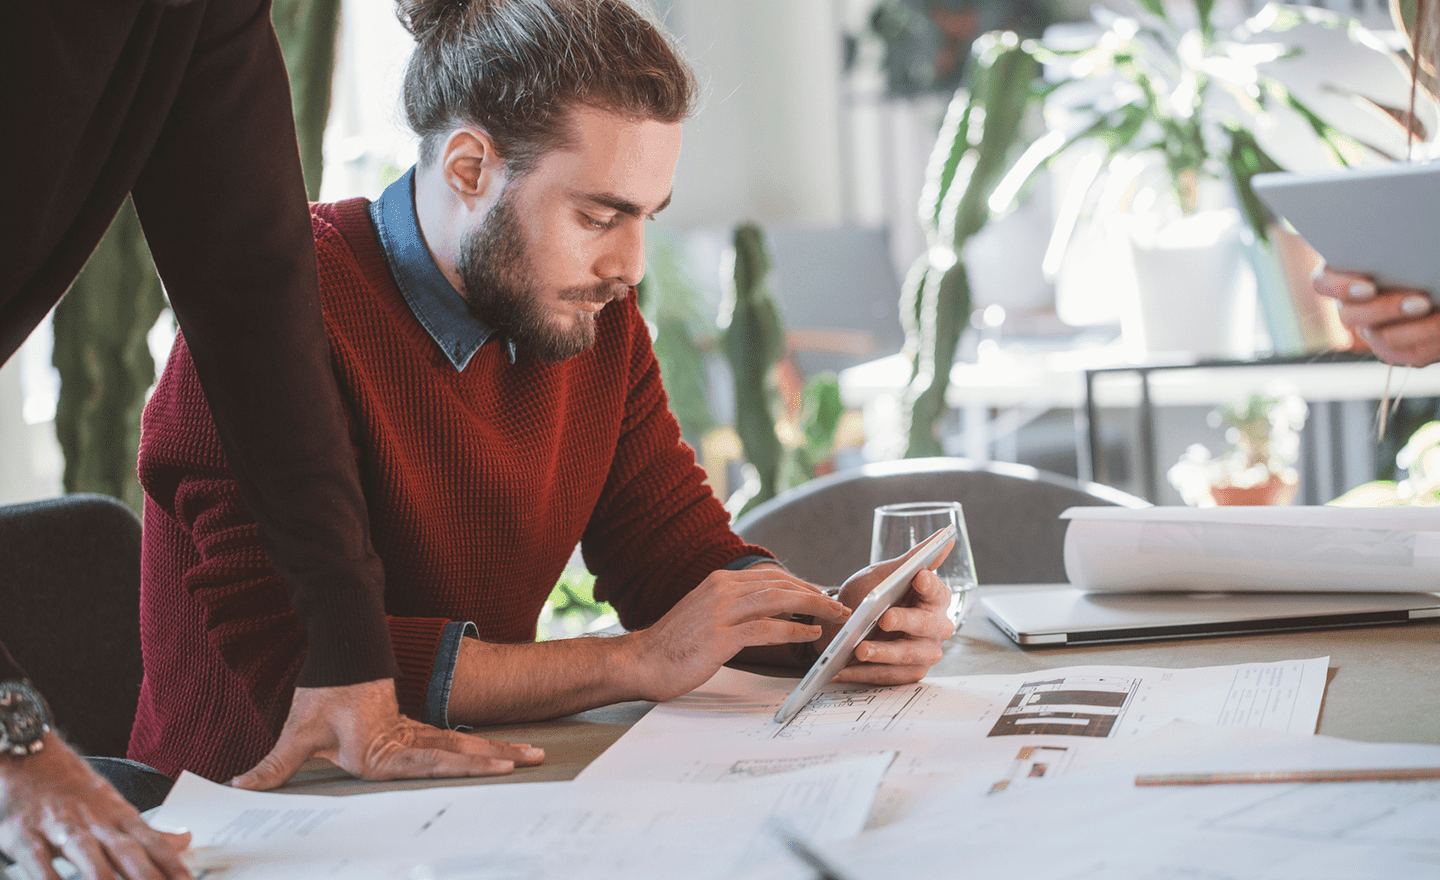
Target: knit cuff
pixel 417 641
pixel 442 673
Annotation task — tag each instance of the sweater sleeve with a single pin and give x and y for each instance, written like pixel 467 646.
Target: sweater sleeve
pixel 216 555
pixel 249 618
pixel 222 202
pixel 657 530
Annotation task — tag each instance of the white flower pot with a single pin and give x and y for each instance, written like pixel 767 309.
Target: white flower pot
pixel 1193 290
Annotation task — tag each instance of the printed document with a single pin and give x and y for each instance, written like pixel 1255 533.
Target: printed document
pixel 544 829
pixel 1097 824
pixel 1000 730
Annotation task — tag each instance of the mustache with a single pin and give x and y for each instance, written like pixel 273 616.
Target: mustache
pixel 596 293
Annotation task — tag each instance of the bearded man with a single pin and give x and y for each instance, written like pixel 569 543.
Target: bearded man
pixel 505 405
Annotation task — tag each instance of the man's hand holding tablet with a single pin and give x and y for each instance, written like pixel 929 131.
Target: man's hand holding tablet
pixel 761 614
pixel 895 634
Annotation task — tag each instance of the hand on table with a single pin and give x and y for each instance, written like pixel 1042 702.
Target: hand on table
pixel 1399 324
pixel 359 728
pixel 52 804
pixel 909 637
pixel 727 612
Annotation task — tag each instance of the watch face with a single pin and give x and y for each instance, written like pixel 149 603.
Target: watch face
pixel 24 718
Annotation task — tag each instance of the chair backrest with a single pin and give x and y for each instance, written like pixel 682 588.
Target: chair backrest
pixel 821 530
pixel 70 612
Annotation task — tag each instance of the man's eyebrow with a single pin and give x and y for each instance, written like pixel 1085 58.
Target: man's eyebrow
pixel 624 205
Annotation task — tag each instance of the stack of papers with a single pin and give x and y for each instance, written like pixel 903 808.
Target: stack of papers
pixel 1098 824
pixel 1027 775
pixel 613 830
pixel 995 731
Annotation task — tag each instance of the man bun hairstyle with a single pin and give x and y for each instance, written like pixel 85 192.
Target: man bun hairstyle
pixel 516 68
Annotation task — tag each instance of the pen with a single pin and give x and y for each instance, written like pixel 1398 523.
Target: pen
pixel 823 867
pixel 1385 774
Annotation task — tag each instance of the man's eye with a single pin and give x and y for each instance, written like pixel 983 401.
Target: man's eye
pixel 598 224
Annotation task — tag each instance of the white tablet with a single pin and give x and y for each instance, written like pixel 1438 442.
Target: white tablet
pixel 864 618
pixel 1382 220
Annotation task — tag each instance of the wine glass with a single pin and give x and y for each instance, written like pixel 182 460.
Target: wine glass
pixel 898 527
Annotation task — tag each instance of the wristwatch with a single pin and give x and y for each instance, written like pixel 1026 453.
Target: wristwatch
pixel 24 718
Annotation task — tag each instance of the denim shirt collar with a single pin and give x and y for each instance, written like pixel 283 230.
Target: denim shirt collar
pixel 436 303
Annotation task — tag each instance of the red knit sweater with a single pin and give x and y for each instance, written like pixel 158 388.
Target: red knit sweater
pixel 479 483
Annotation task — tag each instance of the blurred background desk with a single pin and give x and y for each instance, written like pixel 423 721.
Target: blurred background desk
pixel 1382 689
pixel 1141 416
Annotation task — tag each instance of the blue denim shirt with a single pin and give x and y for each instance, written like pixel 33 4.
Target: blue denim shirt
pixel 441 310
pixel 437 305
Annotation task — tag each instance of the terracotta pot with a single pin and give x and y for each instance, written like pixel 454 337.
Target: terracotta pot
pixel 1273 492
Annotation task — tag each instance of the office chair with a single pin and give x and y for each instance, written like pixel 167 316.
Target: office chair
pixel 70 612
pixel 821 530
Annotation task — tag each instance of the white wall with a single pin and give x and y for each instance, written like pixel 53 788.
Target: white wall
pixel 766 143
pixel 30 459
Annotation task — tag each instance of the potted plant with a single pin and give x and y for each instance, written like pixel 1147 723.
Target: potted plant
pixel 1258 467
pixel 1151 83
pixel 1177 113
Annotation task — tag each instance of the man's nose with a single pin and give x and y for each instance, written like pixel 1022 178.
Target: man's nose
pixel 625 260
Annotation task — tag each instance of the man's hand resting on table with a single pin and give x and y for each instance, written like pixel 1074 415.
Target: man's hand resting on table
pixel 359 728
pixel 52 804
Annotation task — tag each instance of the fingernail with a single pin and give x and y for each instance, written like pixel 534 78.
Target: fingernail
pixel 1362 290
pixel 1414 305
pixel 1317 271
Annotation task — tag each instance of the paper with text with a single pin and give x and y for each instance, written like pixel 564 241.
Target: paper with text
pixel 1008 730
pixel 1097 824
pixel 544 829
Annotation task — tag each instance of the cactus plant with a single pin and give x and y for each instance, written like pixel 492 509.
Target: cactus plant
pixel 754 343
pixel 972 153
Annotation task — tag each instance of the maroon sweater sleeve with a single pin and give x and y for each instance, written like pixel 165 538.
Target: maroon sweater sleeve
pixel 222 202
pixel 249 618
pixel 657 530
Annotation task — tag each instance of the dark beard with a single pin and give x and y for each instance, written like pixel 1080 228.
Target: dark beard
pixel 494 265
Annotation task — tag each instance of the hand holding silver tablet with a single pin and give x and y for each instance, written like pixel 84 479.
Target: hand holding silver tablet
pixel 864 618
pixel 1377 219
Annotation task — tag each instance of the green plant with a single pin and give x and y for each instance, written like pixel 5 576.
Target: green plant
pixel 980 134
pixel 572 608
pixel 1262 434
pixel 754 343
pixel 1193 94
pixel 1419 459
pixel 684 334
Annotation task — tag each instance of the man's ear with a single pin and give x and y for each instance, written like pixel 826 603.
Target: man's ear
pixel 471 166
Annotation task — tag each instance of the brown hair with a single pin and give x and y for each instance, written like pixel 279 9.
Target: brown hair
pixel 516 68
pixel 1419 20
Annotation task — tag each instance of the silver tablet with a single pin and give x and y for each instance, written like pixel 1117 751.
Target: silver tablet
pixel 885 594
pixel 1376 219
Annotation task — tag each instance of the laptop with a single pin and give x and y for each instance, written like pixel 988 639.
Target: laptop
pixel 1068 616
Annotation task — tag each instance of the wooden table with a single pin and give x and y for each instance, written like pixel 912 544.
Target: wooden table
pixel 1384 687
